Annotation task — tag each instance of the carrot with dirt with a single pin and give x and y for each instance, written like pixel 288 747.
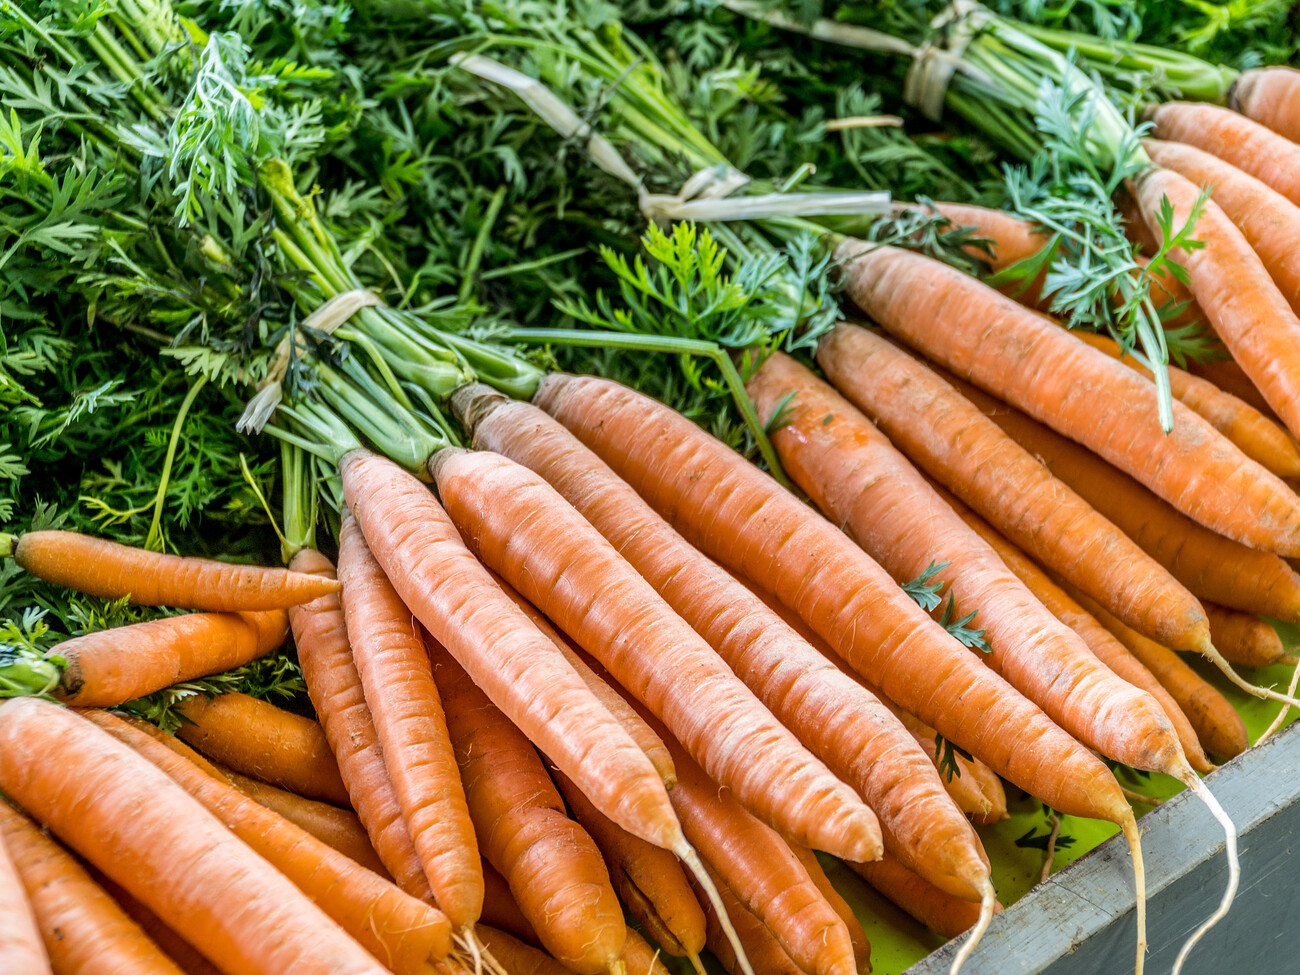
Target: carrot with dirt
pixel 83 928
pixel 111 570
pixel 1027 360
pixel 523 529
pixel 260 740
pixel 949 916
pixel 649 881
pixel 393 664
pixel 406 934
pixel 839 721
pixel 948 437
pixel 320 635
pixel 117 810
pixel 22 950
pixel 1243 638
pixel 857 937
pixel 553 868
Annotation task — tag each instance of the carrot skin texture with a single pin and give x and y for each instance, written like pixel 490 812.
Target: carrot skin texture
pixel 994 343
pixel 938 911
pixel 520 670
pixel 690 478
pixel 966 451
pixel 84 930
pixel 393 664
pixel 500 909
pixel 1243 638
pixel 858 937
pixel 762 949
pixel 855 476
pixel 404 933
pixel 184 954
pixel 1212 567
pixel 114 808
pixel 841 722
pixel 22 949
pixel 553 868
pixel 320 634
pixel 523 529
pixel 1269 96
pixel 111 667
pixel 517 957
pixel 1231 378
pixel 113 571
pixel 258 739
pixel 640 958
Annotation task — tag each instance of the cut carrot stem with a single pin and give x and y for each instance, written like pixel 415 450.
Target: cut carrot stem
pixel 114 571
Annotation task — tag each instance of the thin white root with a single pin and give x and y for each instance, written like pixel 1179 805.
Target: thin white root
pixel 696 964
pixel 1134 837
pixel 1281 715
pixel 1051 847
pixel 1234 866
pixel 1291 660
pixel 466 939
pixel 1267 692
pixel 686 853
pixel 988 902
pixel 1146 800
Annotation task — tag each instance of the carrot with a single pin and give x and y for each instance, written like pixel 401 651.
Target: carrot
pixel 649 881
pixel 1231 378
pixel 320 635
pixel 524 530
pixel 500 910
pixel 516 957
pixel 518 668
pixel 404 933
pixel 948 915
pixel 117 810
pixel 841 723
pixel 946 435
pixel 1217 723
pixel 1211 566
pixel 393 664
pixel 1258 437
pixel 22 950
pixel 114 571
pixel 1269 95
pixel 111 667
pixel 760 945
pixel 1100 641
pixel 335 827
pixel 173 945
pixel 639 958
pixel 999 346
pixel 178 746
pixel 84 930
pixel 554 869
pixel 858 937
pixel 1233 287
pixel 857 478
pixel 1244 639
pixel 258 739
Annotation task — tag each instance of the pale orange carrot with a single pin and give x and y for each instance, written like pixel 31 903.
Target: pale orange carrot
pixel 938 911
pixel 1244 639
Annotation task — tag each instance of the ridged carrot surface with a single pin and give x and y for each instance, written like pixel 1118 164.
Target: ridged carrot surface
pixel 1017 354
pixel 858 937
pixel 1270 96
pixel 761 948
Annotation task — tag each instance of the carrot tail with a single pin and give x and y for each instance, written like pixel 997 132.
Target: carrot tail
pixel 1271 730
pixel 1234 866
pixel 988 905
pixel 1134 837
pixel 686 853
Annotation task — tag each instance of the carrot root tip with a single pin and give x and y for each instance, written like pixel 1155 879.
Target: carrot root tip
pixel 686 853
pixel 696 963
pixel 1217 659
pixel 988 904
pixel 1234 868
pixel 1134 837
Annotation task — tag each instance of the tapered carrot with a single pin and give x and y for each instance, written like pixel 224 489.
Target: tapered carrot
pixel 1210 566
pixel 113 571
pixel 335 827
pixel 117 810
pixel 320 635
pixel 1258 437
pixel 1217 723
pixel 857 478
pixel 258 739
pixel 987 338
pixel 763 950
pixel 406 934
pixel 554 869
pixel 1240 300
pixel 649 881
pixel 949 437
pixel 111 667
pixel 393 664
pixel 843 725
pixel 516 957
pixel 1100 641
pixel 948 915
pixel 1270 96
pixel 524 530
pixel 184 954
pixel 519 669
pixel 84 930
pixel 639 958
pixel 858 937
pixel 1244 639
pixel 500 909
pixel 21 949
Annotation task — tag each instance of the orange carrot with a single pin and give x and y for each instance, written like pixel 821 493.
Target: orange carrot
pixel 1231 378
pixel 516 957
pixel 500 910
pixel 524 530
pixel 320 634
pixel 258 739
pixel 1243 638
pixel 554 869
pixel 114 571
pixel 405 933
pixel 639 958
pixel 840 722
pixel 111 667
pixel 1269 95
pixel 938 911
pixel 190 961
pixel 947 436
pixel 393 664
pixel 858 937
pixel 519 669
pixel 123 814
pixel 84 930
pixel 763 950
pixel 999 346
pixel 22 951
